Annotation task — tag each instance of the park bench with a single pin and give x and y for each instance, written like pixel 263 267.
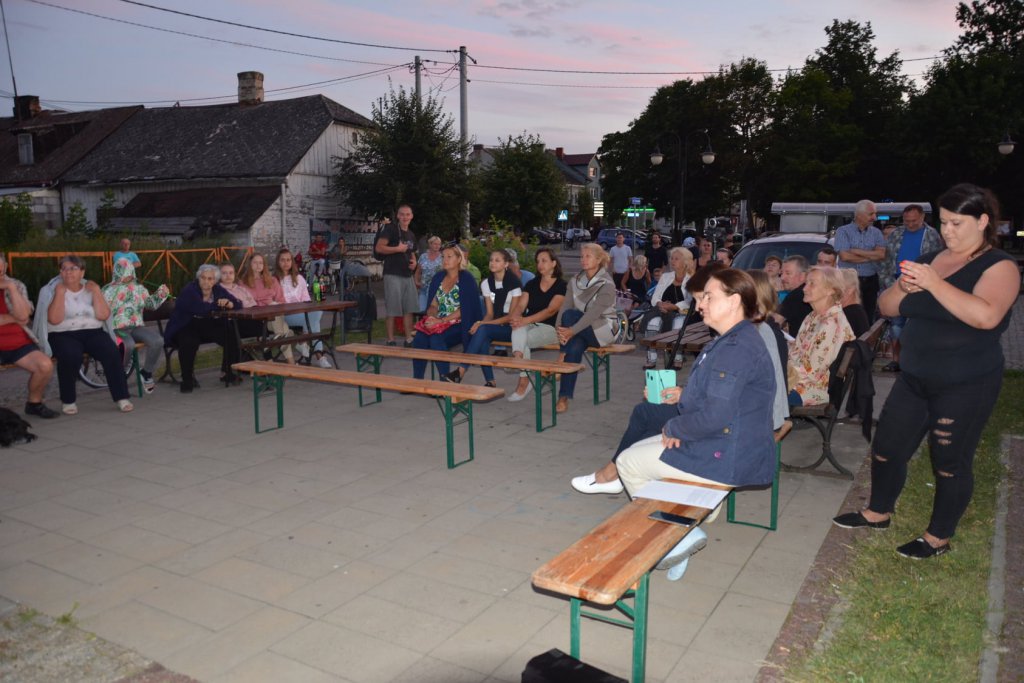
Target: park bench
pixel 597 357
pixel 453 399
pixel 543 374
pixel 611 566
pixel 824 416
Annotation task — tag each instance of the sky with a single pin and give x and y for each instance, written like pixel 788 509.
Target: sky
pixel 77 61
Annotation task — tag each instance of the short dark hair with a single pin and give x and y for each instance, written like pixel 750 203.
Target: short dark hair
pixel 914 207
pixel 970 200
pixel 551 254
pixel 800 262
pixel 736 281
pixel 73 259
pixel 827 249
pixel 699 280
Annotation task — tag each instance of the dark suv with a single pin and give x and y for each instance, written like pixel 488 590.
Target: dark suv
pixel 783 245
pixel 634 240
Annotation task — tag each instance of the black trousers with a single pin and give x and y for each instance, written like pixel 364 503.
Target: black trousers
pixel 200 331
pixel 69 347
pixel 869 294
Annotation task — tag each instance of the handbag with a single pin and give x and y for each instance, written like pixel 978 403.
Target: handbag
pixel 436 329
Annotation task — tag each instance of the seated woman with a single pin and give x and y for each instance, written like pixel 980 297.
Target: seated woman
pixel 295 290
pixel 191 325
pixel 78 323
pixel 501 291
pixel 587 317
pixel 454 309
pixel 533 324
pixel 853 309
pixel 128 298
pixel 670 302
pixel 822 333
pixel 265 290
pixel 778 349
pixel 637 279
pixel 647 419
pixel 18 346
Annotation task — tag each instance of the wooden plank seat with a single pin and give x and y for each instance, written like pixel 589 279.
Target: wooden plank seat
pixel 695 337
pixel 543 374
pixel 453 399
pixel 597 357
pixel 824 416
pixel 611 566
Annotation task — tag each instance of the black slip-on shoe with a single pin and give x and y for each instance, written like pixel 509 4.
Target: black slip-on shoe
pixel 920 549
pixel 855 520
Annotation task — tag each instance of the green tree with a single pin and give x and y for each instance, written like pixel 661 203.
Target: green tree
pixel 15 220
pixel 412 156
pixel 989 25
pixel 585 207
pixel 107 210
pixel 523 185
pixel 76 223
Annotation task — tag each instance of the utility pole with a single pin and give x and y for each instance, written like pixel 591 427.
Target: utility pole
pixel 418 66
pixel 463 121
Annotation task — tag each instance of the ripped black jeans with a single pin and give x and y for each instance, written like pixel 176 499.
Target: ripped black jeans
pixel 953 417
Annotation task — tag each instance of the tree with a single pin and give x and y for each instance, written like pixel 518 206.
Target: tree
pixel 15 220
pixel 106 211
pixel 412 156
pixel 77 222
pixel 585 207
pixel 989 25
pixel 523 186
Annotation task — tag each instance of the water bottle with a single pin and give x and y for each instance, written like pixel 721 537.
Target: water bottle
pixel 316 290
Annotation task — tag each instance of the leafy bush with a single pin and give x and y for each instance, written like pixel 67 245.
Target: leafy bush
pixel 503 237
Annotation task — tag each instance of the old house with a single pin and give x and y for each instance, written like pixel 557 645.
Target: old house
pixel 250 172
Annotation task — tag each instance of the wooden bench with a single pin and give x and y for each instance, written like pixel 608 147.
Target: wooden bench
pixel 597 357
pixel 453 399
pixel 543 374
pixel 824 416
pixel 612 564
pixel 694 337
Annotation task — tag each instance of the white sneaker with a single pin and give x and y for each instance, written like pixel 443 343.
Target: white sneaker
pixel 69 409
pixel 303 349
pixel 125 406
pixel 652 359
pixel 323 362
pixel 516 396
pixel 588 484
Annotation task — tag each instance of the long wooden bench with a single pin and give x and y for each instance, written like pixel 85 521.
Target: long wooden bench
pixel 597 357
pixel 543 374
pixel 453 399
pixel 695 336
pixel 824 416
pixel 611 565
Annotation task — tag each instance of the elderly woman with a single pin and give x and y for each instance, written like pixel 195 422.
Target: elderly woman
pixel 821 335
pixel 128 298
pixel 854 311
pixel 533 324
pixel 453 311
pixel 670 301
pixel 501 290
pixel 427 267
pixel 957 302
pixel 191 324
pixel 78 323
pixel 587 317
pixel 18 346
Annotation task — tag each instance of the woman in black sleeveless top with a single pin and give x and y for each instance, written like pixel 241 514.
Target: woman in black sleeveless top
pixel 957 303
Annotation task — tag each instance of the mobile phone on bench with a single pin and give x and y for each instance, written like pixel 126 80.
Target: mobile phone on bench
pixel 672 519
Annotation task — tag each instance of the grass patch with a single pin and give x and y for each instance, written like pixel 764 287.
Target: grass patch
pixel 921 621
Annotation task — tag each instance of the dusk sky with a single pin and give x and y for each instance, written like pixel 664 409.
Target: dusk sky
pixel 75 61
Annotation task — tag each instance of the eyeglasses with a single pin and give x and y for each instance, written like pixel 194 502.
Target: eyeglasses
pixel 69 269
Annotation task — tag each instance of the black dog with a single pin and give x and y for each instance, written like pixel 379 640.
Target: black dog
pixel 13 429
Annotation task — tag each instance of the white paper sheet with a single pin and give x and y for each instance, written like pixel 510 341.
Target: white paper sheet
pixel 684 494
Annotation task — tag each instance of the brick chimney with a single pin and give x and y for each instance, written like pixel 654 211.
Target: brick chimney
pixel 560 152
pixel 26 107
pixel 250 87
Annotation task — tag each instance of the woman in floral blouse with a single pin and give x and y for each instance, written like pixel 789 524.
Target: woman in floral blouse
pixel 823 331
pixel 128 298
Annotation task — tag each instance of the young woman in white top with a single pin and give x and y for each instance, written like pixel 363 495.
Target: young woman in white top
pixel 295 291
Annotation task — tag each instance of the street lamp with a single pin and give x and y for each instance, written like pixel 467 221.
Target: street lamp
pixel 682 154
pixel 1007 144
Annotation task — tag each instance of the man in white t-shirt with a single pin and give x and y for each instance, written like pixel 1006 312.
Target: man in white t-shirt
pixel 621 257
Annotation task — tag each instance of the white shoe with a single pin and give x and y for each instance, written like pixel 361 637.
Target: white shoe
pixel 303 349
pixel 516 396
pixel 678 558
pixel 323 362
pixel 588 484
pixel 125 406
pixel 69 409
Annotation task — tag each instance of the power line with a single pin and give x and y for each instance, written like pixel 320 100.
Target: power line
pixel 283 33
pixel 202 37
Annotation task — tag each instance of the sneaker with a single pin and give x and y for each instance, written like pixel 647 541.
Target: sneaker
pixel 69 409
pixel 125 406
pixel 391 342
pixel 323 362
pixel 920 549
pixel 454 377
pixel 40 410
pixel 856 520
pixel 588 483
pixel 148 385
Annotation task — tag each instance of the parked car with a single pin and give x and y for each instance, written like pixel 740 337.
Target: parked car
pixel 781 244
pixel 546 236
pixel 635 239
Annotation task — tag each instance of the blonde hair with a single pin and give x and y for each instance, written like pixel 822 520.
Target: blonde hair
pixel 463 257
pixel 597 252
pixel 852 281
pixel 767 297
pixel 687 255
pixel 639 262
pixel 831 278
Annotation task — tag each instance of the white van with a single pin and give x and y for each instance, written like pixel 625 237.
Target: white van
pixel 825 218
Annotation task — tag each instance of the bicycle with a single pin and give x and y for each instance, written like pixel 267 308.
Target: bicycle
pixel 91 373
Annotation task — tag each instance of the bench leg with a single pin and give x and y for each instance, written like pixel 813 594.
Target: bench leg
pixel 597 361
pixel 138 368
pixel 449 410
pixel 263 385
pixel 773 519
pixel 542 383
pixel 636 619
pixel 363 362
pixel 825 429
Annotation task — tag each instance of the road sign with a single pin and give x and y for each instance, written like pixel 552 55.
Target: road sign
pixel 598 209
pixel 563 215
pixel 636 201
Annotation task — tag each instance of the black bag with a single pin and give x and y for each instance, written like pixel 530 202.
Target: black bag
pixel 365 312
pixel 376 238
pixel 554 666
pixel 13 429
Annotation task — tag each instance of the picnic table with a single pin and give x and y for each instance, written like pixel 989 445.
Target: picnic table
pixel 695 336
pixel 257 347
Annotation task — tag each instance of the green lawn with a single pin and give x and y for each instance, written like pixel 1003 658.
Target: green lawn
pixel 902 620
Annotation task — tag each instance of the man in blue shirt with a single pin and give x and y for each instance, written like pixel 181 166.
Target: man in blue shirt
pixel 861 246
pixel 126 252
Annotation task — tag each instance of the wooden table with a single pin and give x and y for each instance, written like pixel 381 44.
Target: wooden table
pixel 265 314
pixel 695 337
